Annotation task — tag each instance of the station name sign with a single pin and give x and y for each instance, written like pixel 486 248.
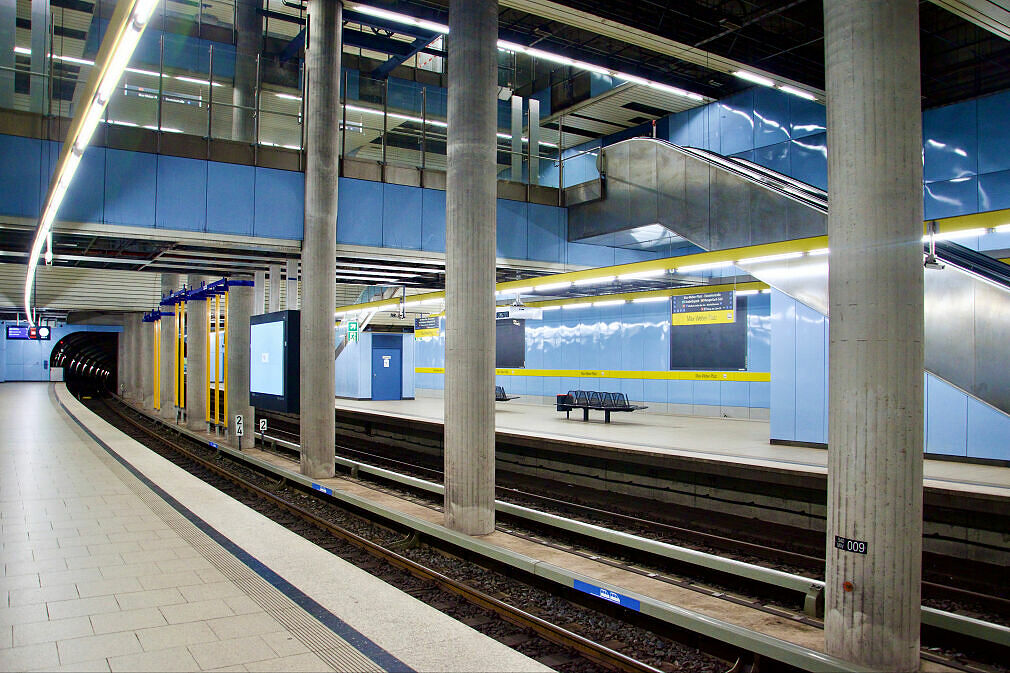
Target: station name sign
pixel 710 308
pixel 26 333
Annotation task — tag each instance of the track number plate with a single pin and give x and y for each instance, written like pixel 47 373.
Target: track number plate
pixel 845 544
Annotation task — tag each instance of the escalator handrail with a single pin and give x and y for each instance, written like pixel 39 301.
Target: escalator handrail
pixel 975 262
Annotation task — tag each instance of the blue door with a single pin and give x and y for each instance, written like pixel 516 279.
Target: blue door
pixel 386 373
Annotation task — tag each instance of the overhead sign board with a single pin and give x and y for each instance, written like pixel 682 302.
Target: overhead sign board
pixel 518 313
pixel 425 327
pixel 709 308
pixel 26 333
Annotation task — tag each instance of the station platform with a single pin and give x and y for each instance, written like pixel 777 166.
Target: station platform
pixel 116 559
pixel 728 441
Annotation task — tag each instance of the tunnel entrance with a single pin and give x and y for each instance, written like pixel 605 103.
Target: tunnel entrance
pixel 88 360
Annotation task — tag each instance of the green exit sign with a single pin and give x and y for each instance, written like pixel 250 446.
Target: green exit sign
pixel 352 330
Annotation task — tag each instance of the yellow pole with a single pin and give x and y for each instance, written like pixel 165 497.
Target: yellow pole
pixel 217 358
pixel 182 358
pixel 206 383
pixel 225 377
pixel 157 365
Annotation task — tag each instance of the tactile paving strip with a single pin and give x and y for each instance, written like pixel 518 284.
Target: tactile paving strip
pixel 320 640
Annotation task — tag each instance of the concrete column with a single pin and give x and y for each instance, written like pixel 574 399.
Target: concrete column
pixel 126 346
pixel 470 266
pixel 147 363
pixel 319 247
pixel 274 298
pixel 240 307
pixel 196 360
pixel 291 287
pixel 169 283
pixel 249 32
pixel 136 357
pixel 876 332
pixel 259 292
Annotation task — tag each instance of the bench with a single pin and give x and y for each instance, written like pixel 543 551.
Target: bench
pixel 500 396
pixel 586 400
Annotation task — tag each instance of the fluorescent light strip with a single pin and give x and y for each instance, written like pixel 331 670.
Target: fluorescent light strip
pixel 754 77
pixel 125 36
pixel 703 267
pixel 595 281
pixel 770 258
pixel 649 300
pixel 580 305
pixel 745 293
pixel 537 53
pixel 551 307
pixel 806 95
pixel 817 252
pixel 552 286
pixel 608 302
pixel 642 275
pixel 952 235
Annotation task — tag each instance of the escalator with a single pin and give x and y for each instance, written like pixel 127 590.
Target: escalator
pixel 718 203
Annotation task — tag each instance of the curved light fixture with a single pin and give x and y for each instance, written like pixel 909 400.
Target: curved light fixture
pixel 127 25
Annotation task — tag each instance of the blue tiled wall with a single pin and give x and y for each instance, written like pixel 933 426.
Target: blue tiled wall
pixel 632 337
pixel 956 424
pixel 23 360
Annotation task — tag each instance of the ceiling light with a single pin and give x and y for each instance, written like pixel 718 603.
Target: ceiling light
pixel 1002 228
pixel 550 307
pixel 754 77
pixel 396 17
pixel 23 50
pixel 642 274
pixel 817 252
pixel 608 302
pixel 288 96
pixel 649 300
pixel 579 305
pixel 194 80
pixel 797 92
pixel 702 267
pixel 518 290
pixel 595 281
pixel 744 293
pixel 770 258
pixel 767 290
pixel 952 235
pixel 552 286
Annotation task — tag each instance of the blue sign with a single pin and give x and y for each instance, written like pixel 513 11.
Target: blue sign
pixel 320 487
pixel 26 333
pixel 608 595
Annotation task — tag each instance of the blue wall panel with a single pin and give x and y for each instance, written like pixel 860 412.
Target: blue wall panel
pixel 546 234
pixel 359 220
pixel 20 176
pixel 988 432
pixel 280 203
pixel 737 122
pixel 401 217
pixel 433 220
pixel 771 117
pixel 808 160
pixel 994 193
pixel 783 367
pixel 85 200
pixel 775 157
pixel 810 380
pixel 231 198
pixel 946 418
pixel 958 196
pixel 131 180
pixel 806 118
pixel 993 132
pixel 511 229
pixel 182 194
pixel 950 142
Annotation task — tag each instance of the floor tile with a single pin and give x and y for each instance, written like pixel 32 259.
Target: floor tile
pixel 51 631
pixel 150 599
pixel 82 607
pixel 149 556
pixel 42 594
pixel 178 565
pixel 210 591
pixel 94 647
pixel 163 637
pixel 94 561
pixel 33 567
pixel 104 587
pixel 78 576
pixel 231 652
pixel 305 662
pixel 95 666
pixel 162 581
pixel 23 658
pixel 244 625
pixel 176 659
pixel 127 620
pixel 199 611
pixel 284 644
pixel 23 614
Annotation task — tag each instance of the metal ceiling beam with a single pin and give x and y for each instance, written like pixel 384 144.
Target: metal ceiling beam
pixel 992 15
pixel 554 11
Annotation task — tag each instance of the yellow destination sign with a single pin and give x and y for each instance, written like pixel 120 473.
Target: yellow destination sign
pixel 704 318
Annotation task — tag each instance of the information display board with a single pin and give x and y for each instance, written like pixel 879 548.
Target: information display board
pixel 274 357
pixel 710 308
pixel 510 344
pixel 709 333
pixel 425 327
pixel 26 333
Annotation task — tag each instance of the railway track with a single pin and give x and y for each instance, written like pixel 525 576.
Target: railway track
pixel 579 652
pixel 949 582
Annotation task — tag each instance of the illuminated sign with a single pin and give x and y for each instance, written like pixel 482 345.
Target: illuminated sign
pixel 26 333
pixel 425 327
pixel 704 309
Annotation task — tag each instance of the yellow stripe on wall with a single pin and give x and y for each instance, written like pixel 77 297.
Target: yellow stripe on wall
pixel 622 374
